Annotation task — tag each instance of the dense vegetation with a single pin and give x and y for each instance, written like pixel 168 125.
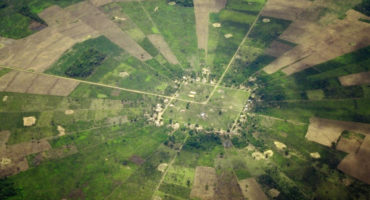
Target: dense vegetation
pixel 85 64
pixel 364 7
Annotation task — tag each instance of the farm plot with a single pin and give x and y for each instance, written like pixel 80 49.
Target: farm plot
pixel 14 157
pixel 161 45
pixel 327 132
pixel 285 9
pixel 355 79
pixel 99 22
pixel 24 82
pixel 327 45
pixel 99 3
pixel 252 190
pixel 277 48
pixel 358 164
pixel 40 50
pixel 205 182
pixel 202 10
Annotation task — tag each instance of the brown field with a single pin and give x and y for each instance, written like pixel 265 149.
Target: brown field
pixel 228 187
pixel 21 82
pixel 277 49
pixel 6 79
pixel 162 46
pixel 63 87
pixel 25 82
pixel 358 164
pixel 98 3
pixel 252 190
pixel 93 17
pixel 326 132
pixel 285 9
pixel 41 85
pixel 318 43
pixel 17 153
pixel 348 145
pixel 204 183
pixel 355 79
pixel 39 50
pixel 4 136
pixel 202 8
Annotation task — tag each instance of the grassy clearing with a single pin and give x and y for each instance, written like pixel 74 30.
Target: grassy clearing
pixel 219 113
pixel 85 173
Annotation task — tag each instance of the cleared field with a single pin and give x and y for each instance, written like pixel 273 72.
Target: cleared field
pixel 205 182
pixel 158 41
pixel 351 34
pixel 348 145
pixel 202 9
pixel 327 132
pixel 24 82
pixel 98 3
pixel 358 164
pixel 14 157
pixel 285 9
pixel 99 22
pixel 277 48
pixel 252 190
pixel 355 79
pixel 40 50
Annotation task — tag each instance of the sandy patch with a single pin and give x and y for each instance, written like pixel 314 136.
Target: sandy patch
pixel 69 112
pixel 266 20
pixel 162 46
pixel 274 193
pixel 358 164
pixel 29 121
pixel 327 132
pixel 61 131
pixel 171 3
pixel 268 154
pixel 204 183
pixel 162 167
pixel 123 74
pixel 216 25
pixel 252 190
pixel 279 145
pixel 4 162
pixel 315 155
pixel 355 79
pixel 258 155
pixel 229 35
pixel 5 98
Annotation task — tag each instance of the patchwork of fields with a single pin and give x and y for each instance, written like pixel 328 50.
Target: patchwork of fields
pixel 184 99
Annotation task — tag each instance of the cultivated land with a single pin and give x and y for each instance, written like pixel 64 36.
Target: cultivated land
pixel 183 99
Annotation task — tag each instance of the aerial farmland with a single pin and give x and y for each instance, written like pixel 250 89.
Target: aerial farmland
pixel 184 99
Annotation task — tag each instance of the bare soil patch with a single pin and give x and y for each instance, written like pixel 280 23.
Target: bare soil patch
pixel 29 121
pixel 21 82
pixel 204 183
pixel 315 155
pixel 162 167
pixel 228 187
pixel 252 190
pixel 69 112
pixel 7 79
pixel 327 132
pixel 348 145
pixel 358 164
pixel 355 79
pixel 158 41
pixel 279 145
